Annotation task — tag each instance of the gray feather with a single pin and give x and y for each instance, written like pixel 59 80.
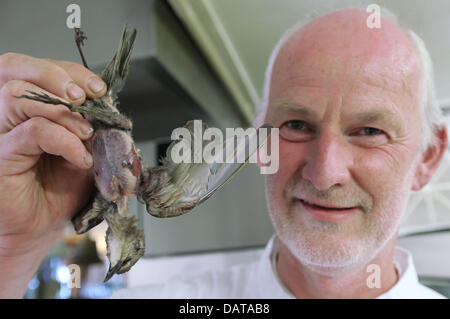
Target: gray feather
pixel 116 72
pixel 176 188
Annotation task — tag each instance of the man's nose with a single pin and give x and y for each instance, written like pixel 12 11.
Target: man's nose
pixel 328 161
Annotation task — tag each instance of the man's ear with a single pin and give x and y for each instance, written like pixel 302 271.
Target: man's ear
pixel 431 159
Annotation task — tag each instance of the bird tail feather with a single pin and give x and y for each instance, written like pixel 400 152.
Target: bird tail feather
pixel 116 71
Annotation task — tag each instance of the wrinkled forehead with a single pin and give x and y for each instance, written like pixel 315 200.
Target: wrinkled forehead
pixel 341 44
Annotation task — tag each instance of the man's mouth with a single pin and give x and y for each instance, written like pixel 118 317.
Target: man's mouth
pixel 327 212
pixel 325 206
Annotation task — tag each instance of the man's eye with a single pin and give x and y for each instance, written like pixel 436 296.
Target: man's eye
pixel 369 131
pixel 369 137
pixel 295 125
pixel 295 131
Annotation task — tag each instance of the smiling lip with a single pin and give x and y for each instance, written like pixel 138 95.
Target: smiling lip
pixel 328 213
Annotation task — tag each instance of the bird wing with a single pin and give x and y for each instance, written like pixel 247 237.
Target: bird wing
pixel 177 187
pixel 91 214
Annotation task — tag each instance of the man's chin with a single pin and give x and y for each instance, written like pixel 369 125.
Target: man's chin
pixel 328 253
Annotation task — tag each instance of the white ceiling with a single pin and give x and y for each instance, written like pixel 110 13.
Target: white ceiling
pixel 237 36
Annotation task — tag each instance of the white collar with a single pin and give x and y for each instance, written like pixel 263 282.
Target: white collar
pixel 269 283
pixel 271 286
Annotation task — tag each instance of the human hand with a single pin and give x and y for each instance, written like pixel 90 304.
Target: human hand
pixel 45 175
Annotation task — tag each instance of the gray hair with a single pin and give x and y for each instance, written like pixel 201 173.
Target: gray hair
pixel 431 114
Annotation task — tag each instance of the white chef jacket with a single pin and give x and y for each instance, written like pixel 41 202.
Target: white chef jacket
pixel 260 280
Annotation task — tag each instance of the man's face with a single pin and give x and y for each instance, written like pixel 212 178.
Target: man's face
pixel 350 134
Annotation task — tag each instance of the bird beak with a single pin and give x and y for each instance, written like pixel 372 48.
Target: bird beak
pixel 112 271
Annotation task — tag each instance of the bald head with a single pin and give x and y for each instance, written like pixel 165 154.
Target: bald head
pixel 340 44
pixel 346 33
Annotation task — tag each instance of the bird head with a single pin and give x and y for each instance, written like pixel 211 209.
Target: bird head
pixel 125 244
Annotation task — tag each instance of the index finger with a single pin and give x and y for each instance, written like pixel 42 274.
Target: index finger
pixel 45 74
pixel 90 82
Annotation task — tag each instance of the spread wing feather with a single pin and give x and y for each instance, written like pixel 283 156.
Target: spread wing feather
pixel 178 186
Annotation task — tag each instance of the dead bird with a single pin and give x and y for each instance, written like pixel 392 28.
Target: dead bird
pixel 117 164
pixel 168 190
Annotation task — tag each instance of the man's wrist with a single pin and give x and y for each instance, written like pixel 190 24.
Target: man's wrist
pixel 19 261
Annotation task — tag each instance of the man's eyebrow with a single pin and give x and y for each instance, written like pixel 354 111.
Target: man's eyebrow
pixel 384 115
pixel 295 108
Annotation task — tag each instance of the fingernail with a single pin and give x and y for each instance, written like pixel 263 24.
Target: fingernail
pixel 95 84
pixel 74 92
pixel 86 129
pixel 88 159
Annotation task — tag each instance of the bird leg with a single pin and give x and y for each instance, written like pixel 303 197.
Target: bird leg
pixel 79 40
